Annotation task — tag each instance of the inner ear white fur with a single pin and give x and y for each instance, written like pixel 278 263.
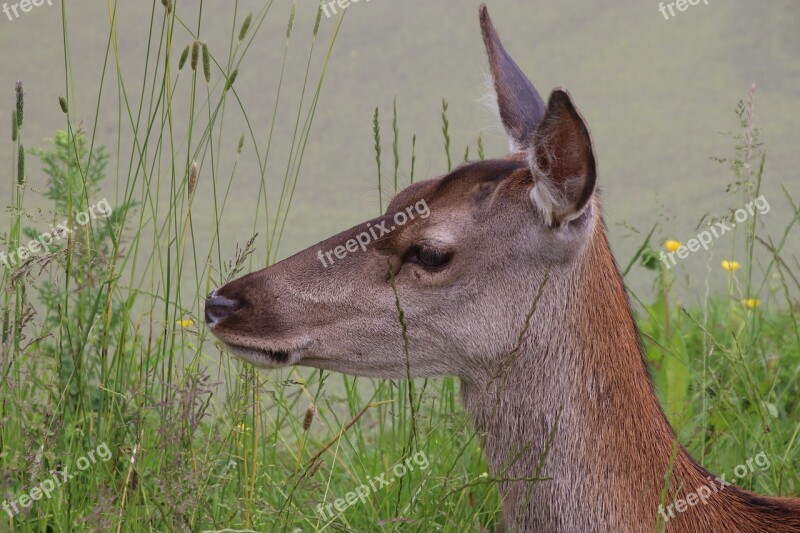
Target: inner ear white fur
pixel 552 204
pixel 557 196
pixel 545 199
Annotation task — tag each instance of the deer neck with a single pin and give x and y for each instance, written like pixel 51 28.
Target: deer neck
pixel 576 406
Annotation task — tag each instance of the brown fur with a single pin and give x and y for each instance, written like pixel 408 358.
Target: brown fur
pixel 559 390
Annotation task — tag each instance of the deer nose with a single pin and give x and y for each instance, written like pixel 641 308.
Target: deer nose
pixel 218 308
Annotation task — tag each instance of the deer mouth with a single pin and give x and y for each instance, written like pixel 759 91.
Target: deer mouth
pixel 265 358
pixel 220 309
pixel 279 356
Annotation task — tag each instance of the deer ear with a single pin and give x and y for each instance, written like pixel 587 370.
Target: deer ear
pixel 520 106
pixel 562 161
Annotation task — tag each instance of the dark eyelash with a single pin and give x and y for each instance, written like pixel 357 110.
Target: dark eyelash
pixel 427 256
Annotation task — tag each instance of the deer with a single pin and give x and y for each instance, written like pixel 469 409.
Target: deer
pixel 509 285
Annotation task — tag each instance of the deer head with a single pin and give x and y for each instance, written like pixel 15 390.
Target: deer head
pixel 503 270
pixel 474 244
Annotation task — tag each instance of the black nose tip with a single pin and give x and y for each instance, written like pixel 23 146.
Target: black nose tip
pixel 219 308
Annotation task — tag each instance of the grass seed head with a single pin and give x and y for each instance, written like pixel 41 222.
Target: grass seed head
pixel 319 19
pixel 231 79
pixel 184 56
pixel 291 21
pixel 192 178
pixel 206 63
pixel 245 27
pixel 195 54
pixel 21 165
pixel 20 103
pixel 309 418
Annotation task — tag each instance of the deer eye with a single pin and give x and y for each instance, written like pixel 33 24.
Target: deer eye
pixel 427 256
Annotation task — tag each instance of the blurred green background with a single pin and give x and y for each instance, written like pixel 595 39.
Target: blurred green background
pixel 655 94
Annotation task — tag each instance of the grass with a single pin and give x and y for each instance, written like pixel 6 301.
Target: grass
pixel 103 345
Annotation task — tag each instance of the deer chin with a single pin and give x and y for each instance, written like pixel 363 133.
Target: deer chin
pixel 266 358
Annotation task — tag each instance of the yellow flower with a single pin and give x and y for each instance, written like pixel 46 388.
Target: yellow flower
pixel 751 303
pixel 672 245
pixel 185 323
pixel 731 266
pixel 242 428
